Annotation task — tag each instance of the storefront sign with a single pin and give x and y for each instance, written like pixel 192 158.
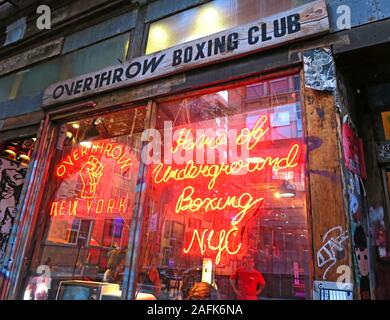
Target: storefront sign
pixel 302 22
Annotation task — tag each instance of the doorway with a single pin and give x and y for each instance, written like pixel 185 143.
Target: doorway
pixel 365 76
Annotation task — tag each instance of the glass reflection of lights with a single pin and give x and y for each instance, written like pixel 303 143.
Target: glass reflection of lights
pixel 87 144
pixel 208 19
pixel 159 37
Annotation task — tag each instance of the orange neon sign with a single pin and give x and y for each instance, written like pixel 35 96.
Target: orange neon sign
pixel 223 242
pixel 109 150
pixel 89 169
pixel 90 174
pixel 90 207
pixel 237 208
pixel 244 202
pixel 163 174
pixel 186 142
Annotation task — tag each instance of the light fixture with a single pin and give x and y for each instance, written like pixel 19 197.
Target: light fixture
pixel 87 144
pixel 91 132
pixel 159 38
pixel 28 143
pixel 24 158
pixel 76 125
pixel 285 191
pixel 10 152
pixel 255 160
pixel 69 139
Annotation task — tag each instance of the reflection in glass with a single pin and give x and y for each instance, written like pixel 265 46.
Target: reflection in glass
pixel 212 17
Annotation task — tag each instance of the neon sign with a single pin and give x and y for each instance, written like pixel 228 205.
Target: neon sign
pixel 236 210
pixel 95 206
pixel 110 150
pixel 205 242
pixel 163 174
pixel 245 202
pixel 186 142
pixel 85 166
pixel 90 174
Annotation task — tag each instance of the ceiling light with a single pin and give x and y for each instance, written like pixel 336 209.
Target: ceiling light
pixel 285 191
pixel 87 144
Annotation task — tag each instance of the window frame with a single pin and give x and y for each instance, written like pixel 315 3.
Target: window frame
pixel 55 119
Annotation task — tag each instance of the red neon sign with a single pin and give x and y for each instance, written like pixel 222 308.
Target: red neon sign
pixel 90 174
pixel 245 138
pixel 244 203
pixel 211 242
pixel 100 148
pixel 89 207
pixel 164 174
pixel 225 200
pixel 86 166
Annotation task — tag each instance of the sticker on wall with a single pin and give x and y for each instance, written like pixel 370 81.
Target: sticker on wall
pixel 319 69
pixel 357 184
pixel 353 151
pixel 383 152
pixel 332 249
pixel 362 256
pixel 340 97
pixel 353 204
pixel 11 183
pixel 378 230
pixel 361 251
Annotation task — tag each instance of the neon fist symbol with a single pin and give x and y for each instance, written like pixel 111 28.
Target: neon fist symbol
pixel 90 174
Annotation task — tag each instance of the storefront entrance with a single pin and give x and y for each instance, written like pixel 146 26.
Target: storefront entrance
pixel 211 202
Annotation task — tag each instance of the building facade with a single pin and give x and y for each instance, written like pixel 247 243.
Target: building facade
pixel 159 146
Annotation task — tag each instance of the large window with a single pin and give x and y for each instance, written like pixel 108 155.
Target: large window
pixel 226 201
pixel 212 198
pixel 210 18
pixel 36 78
pixel 91 196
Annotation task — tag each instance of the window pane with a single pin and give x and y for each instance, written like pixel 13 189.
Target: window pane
pixel 15 31
pixel 220 225
pixel 39 77
pixel 89 203
pixel 92 58
pixel 95 57
pixel 210 18
pixel 6 84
